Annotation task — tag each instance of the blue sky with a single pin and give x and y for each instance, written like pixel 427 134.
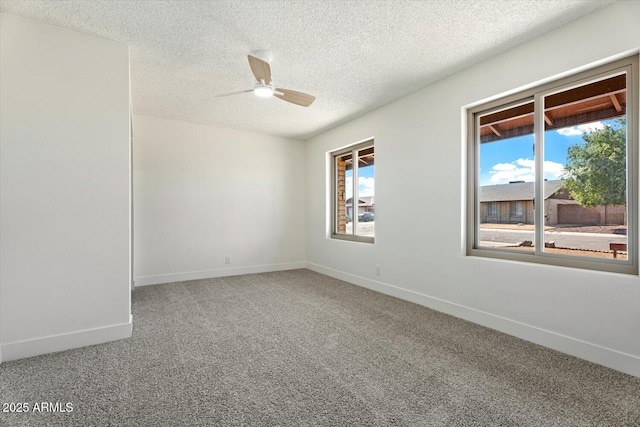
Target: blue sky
pixel 507 160
pixel 512 159
pixel 365 182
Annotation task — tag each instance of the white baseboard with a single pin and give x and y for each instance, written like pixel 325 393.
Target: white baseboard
pixel 68 341
pixel 220 272
pixel 610 358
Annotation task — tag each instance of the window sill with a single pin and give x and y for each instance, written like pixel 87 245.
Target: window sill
pixel 584 263
pixel 351 238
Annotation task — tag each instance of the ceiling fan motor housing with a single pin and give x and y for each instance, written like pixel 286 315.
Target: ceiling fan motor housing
pixel 263 90
pixel 265 55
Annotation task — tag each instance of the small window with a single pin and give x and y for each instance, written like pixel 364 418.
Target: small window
pixel 353 199
pixel 564 156
pixel 492 209
pixel 516 209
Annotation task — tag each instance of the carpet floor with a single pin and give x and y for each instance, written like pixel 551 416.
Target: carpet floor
pixel 299 348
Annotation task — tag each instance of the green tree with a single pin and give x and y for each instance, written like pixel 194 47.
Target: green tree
pixel 596 169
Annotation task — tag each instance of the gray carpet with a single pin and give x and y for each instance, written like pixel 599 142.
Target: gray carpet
pixel 299 348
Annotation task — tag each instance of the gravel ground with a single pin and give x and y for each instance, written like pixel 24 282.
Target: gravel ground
pixel 605 229
pixel 578 252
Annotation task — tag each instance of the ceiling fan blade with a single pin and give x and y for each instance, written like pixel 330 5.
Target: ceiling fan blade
pixel 260 69
pixel 234 93
pixel 295 97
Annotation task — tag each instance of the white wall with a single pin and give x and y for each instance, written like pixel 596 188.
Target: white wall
pixel 202 193
pixel 64 189
pixel 420 247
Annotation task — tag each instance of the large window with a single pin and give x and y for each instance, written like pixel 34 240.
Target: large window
pixel 353 200
pixel 562 160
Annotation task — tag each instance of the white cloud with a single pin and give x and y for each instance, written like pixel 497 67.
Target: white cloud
pixel 580 129
pixel 523 170
pixel 348 187
pixel 526 163
pixel 553 170
pixel 366 186
pixel 503 167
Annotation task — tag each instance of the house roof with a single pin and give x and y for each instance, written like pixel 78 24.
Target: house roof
pixel 362 201
pixel 517 191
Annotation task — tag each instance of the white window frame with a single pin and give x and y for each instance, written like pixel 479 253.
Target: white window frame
pixel 353 149
pixel 537 94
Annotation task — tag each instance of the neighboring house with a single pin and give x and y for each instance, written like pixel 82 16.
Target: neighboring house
pixel 365 204
pixel 513 203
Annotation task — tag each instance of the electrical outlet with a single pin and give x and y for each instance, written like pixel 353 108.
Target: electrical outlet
pixel 227 259
pixel 377 269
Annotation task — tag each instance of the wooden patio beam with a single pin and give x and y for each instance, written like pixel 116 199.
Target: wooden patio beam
pixel 616 103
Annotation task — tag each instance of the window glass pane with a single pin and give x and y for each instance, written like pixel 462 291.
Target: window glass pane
pixel 366 193
pixel 344 190
pixel 516 209
pixel 585 169
pixel 565 194
pixel 492 212
pixel 354 193
pixel 507 175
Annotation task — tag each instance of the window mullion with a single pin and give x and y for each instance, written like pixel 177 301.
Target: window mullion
pixel 334 201
pixel 538 155
pixel 476 180
pixel 632 160
pixel 355 201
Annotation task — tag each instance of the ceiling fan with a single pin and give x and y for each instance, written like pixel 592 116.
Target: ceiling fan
pixel 264 86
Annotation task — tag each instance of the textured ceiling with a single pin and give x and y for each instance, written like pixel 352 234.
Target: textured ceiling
pixel 354 56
